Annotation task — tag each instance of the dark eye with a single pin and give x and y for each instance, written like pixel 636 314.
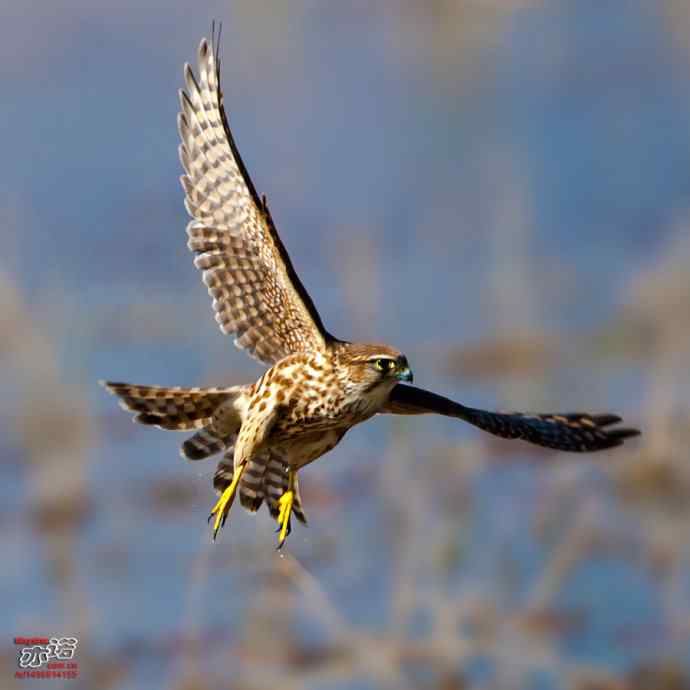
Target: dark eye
pixel 384 365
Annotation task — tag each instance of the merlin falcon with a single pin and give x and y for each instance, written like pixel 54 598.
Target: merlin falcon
pixel 317 387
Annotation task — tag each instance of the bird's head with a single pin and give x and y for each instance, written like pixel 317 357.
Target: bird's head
pixel 374 367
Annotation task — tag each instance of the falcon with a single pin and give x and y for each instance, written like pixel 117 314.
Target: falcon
pixel 317 386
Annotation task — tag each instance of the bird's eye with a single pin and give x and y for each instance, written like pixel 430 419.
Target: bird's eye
pixel 384 365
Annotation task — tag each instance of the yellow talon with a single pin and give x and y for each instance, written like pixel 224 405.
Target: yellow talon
pixel 285 503
pixel 224 503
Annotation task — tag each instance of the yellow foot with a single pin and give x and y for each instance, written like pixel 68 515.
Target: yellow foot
pixel 285 504
pixel 224 503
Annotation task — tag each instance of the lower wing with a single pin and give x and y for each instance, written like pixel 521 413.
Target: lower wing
pixel 576 432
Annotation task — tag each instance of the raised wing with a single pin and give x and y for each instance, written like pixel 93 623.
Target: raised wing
pixel 256 292
pixel 576 432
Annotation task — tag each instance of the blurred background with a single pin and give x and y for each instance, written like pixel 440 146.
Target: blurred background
pixel 500 188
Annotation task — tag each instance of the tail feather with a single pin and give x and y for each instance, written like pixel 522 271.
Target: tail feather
pixel 211 412
pixel 224 471
pixel 176 408
pixel 276 484
pixel 251 488
pixel 170 422
pixel 204 444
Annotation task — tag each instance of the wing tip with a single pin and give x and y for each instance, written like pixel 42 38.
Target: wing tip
pixel 606 419
pixel 189 77
pixel 148 419
pixel 182 126
pixel 622 434
pixel 204 54
pixel 192 451
pixel 610 438
pixel 188 208
pixel 184 100
pixel 183 155
pixel 113 387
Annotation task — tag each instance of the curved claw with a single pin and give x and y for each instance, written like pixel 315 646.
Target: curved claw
pixel 285 504
pixel 224 503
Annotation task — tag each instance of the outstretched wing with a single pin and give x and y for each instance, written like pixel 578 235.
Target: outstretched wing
pixel 576 432
pixel 256 292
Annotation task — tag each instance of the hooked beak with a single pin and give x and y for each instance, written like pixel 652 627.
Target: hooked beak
pixel 404 374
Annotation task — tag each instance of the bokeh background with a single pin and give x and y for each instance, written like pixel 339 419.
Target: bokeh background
pixel 501 188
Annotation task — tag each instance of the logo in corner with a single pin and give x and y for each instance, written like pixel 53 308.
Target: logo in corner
pixel 44 657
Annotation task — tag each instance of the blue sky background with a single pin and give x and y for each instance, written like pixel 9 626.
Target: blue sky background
pixel 461 179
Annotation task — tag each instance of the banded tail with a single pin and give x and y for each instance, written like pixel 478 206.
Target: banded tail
pixel 211 412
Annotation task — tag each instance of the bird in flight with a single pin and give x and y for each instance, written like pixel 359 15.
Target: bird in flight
pixel 317 387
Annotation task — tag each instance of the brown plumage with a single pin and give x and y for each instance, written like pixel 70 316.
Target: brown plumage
pixel 317 387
